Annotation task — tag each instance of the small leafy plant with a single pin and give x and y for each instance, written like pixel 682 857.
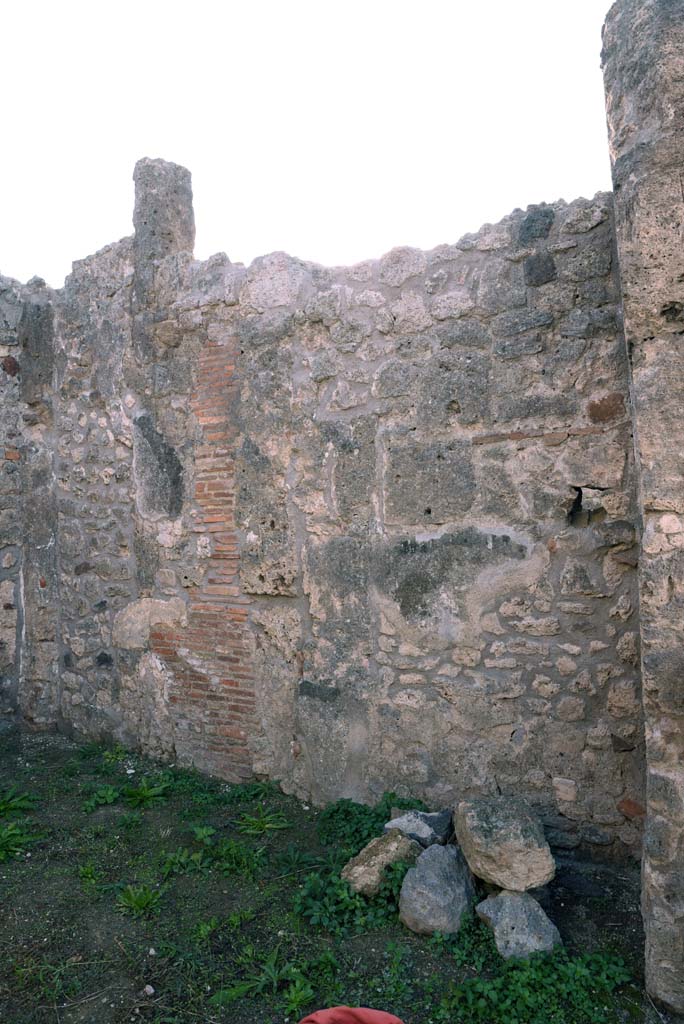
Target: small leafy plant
pixel 262 821
pixel 328 902
pixel 203 834
pixel 184 862
pixel 90 877
pixel 102 796
pixel 239 917
pixel 145 794
pixel 131 821
pixel 293 859
pixel 351 826
pixel 472 946
pixel 12 802
pixel 548 988
pixel 15 840
pixel 249 792
pixel 50 981
pixel 262 977
pixel 114 755
pixel 138 900
pixel 298 994
pixel 231 857
pixel 205 929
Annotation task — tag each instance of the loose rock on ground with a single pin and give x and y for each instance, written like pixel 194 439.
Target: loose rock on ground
pixel 437 891
pixel 503 843
pixel 519 924
pixel 365 871
pixel 424 827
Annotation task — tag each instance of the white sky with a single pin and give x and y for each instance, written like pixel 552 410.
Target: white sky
pixel 332 129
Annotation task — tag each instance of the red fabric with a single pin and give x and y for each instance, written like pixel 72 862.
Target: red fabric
pixel 347 1015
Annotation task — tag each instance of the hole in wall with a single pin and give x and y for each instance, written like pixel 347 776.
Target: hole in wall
pixel 579 515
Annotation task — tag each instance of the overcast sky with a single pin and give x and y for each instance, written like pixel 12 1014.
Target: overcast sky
pixel 332 130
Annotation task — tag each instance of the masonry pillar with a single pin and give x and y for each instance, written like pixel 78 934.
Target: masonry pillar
pixel 643 61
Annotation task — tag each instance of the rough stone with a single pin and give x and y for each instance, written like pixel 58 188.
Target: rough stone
pixel 436 892
pixel 132 625
pixel 423 827
pixel 642 46
pixel 366 870
pixel 504 843
pixel 519 924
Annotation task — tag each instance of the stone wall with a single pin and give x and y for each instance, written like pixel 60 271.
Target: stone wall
pixel 354 529
pixel 29 578
pixel 436 501
pixel 11 430
pixel 644 71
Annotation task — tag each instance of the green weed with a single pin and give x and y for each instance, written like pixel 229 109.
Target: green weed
pixel 328 902
pixel 89 751
pixel 293 859
pixel 203 834
pixel 394 982
pixel 351 826
pixel 472 946
pixel 231 857
pixel 102 796
pixel 184 862
pixel 248 792
pixel 239 917
pixel 262 821
pixel 15 840
pixel 114 755
pixel 298 994
pixel 50 982
pixel 205 929
pixel 131 821
pixel 262 977
pixel 138 900
pixel 145 794
pixel 91 877
pixel 12 802
pixel 552 988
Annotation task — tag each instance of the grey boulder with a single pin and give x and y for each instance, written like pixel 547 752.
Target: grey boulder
pixel 436 892
pixel 519 924
pixel 424 827
pixel 503 843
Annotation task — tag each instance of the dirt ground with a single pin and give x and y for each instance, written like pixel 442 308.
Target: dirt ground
pixel 221 940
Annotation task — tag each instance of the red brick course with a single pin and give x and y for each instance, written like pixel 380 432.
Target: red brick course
pixel 209 660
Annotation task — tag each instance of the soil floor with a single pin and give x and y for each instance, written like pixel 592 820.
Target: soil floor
pixel 119 904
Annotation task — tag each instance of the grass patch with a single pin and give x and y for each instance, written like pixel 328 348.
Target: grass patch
pixel 227 903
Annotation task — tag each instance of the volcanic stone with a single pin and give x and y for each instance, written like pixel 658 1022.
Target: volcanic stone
pixel 519 924
pixel 437 891
pixel 503 843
